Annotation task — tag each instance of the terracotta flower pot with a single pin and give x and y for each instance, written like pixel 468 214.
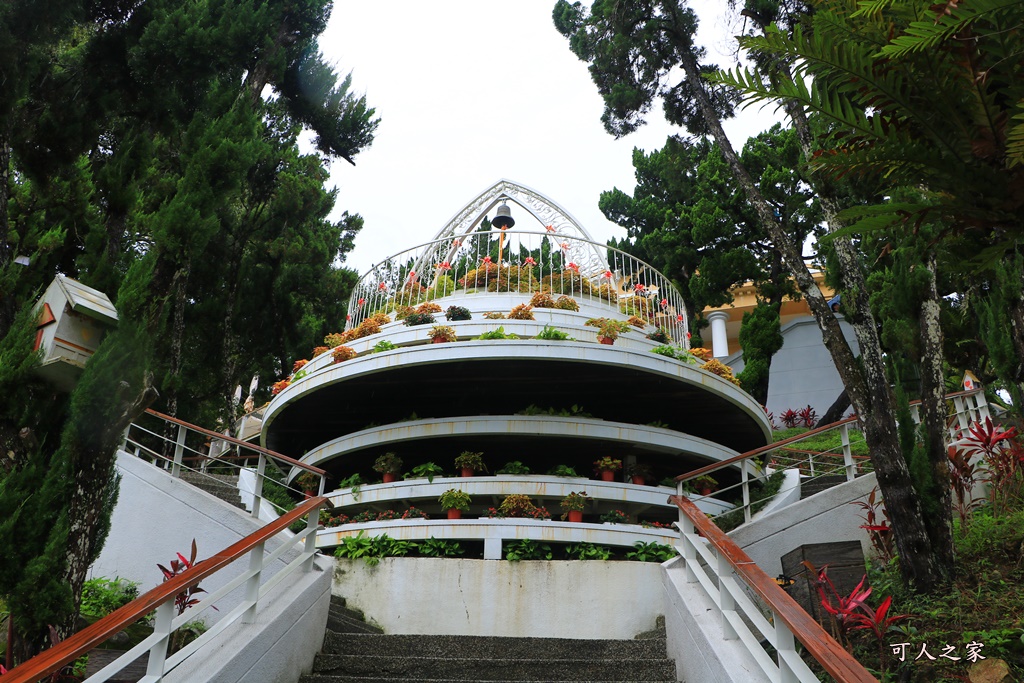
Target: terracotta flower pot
pixel 439 340
pixel 467 471
pixel 575 516
pixel 606 340
pixel 454 513
pixel 389 477
pixel 607 475
pixel 639 480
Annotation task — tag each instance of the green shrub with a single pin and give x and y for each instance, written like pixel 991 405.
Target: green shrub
pixel 101 596
pixel 587 551
pixel 527 549
pixel 651 552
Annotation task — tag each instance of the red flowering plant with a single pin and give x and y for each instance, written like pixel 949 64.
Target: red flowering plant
pixel 298 365
pixel 278 387
pixel 789 418
pixel 807 416
pixel 841 608
pixel 877 526
pixel 186 598
pixel 343 353
pixel 415 513
pixel 1003 458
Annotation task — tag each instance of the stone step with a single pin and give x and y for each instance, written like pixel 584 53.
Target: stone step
pixel 482 647
pixel 223 486
pixel 385 667
pixel 809 487
pixel 343 624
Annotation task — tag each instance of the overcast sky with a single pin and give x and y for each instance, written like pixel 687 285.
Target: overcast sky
pixel 472 91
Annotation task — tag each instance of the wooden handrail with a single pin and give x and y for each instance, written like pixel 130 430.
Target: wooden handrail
pixel 714 467
pixel 53 659
pixel 238 442
pixel 830 654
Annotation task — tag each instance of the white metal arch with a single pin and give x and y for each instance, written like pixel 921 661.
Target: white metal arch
pixel 548 213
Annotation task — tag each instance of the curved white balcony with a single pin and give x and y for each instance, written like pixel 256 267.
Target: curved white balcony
pixel 503 377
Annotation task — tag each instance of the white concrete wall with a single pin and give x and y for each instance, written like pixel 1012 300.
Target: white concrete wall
pixel 157 516
pixel 825 517
pixel 696 641
pixel 562 599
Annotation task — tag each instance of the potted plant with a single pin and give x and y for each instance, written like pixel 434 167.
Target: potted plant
pixel 427 470
pixel 458 313
pixel 454 502
pixel 705 484
pixel 442 333
pixel 638 473
pixel 470 462
pixel 308 483
pixel 608 330
pixel 419 319
pixel 389 465
pixel 606 467
pixel 660 335
pixel 573 505
pixel 615 517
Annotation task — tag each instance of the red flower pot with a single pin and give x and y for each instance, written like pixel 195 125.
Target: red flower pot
pixel 439 340
pixel 467 471
pixel 389 477
pixel 454 513
pixel 307 494
pixel 606 340
pixel 607 475
pixel 575 515
pixel 639 480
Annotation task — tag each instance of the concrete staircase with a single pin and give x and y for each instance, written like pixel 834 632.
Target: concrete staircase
pixel 223 486
pixel 356 651
pixel 809 487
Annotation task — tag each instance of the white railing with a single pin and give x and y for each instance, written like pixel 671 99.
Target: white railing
pixel 967 407
pixel 190 449
pixel 253 582
pixel 524 262
pixel 733 581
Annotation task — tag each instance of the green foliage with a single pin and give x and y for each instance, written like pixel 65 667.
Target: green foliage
pixel 562 471
pixel 427 470
pixel 651 552
pixel 101 596
pixel 352 482
pixel 514 467
pixel 552 334
pixel 527 549
pixel 373 549
pixel 678 353
pixel 419 319
pixel 760 495
pixel 497 334
pixel 454 499
pixel 383 345
pixel 587 551
pixel 572 411
pixel 436 547
pixel 760 339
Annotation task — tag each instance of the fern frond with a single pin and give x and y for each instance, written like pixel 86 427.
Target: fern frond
pixel 1015 138
pixel 920 36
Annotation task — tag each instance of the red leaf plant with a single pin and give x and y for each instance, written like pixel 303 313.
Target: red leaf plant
pixel 808 416
pixel 1003 458
pixel 789 418
pixel 186 598
pixel 840 608
pixel 876 524
pixel 879 623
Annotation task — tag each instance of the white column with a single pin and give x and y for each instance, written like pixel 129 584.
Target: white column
pixel 719 337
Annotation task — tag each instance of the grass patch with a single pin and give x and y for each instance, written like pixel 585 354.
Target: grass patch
pixel 830 441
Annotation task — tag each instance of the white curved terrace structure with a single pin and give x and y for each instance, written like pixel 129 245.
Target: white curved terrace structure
pixel 558 256
pixel 541 402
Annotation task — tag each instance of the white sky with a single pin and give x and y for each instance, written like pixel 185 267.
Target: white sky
pixel 472 91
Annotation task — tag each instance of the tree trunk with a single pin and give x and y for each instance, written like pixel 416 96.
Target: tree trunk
pixel 869 392
pixel 835 411
pixel 933 418
pixel 7 302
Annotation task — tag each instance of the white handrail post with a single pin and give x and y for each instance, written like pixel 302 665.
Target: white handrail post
pixel 744 464
pixel 784 643
pixel 689 551
pixel 312 524
pixel 851 467
pixel 257 496
pixel 252 586
pixel 726 600
pixel 179 451
pixel 161 627
pixel 810 462
pixel 323 485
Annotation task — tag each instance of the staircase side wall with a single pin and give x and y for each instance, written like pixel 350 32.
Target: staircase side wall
pixel 825 517
pixel 695 639
pixel 441 596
